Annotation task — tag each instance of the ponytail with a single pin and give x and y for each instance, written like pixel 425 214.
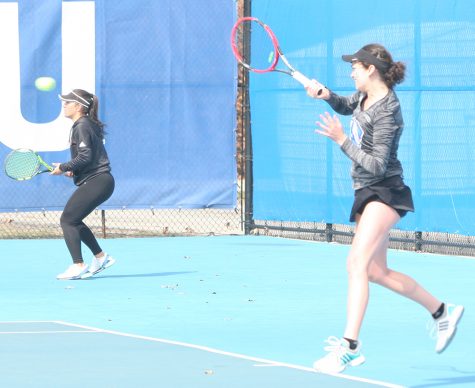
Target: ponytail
pixel 394 72
pixel 92 111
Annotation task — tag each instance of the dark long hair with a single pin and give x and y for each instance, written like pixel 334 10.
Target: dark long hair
pixel 93 110
pixel 395 71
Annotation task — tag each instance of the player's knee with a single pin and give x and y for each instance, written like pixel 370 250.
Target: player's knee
pixel 356 265
pixel 65 219
pixel 376 275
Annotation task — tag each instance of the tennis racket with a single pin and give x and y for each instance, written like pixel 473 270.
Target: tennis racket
pixel 265 51
pixel 23 164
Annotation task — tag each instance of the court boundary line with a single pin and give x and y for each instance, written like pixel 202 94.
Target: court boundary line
pixel 266 362
pixel 48 332
pixel 261 362
pixel 41 331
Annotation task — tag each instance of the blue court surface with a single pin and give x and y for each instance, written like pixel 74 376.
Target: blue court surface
pixel 234 311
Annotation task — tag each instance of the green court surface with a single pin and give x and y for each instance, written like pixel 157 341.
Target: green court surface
pixel 235 311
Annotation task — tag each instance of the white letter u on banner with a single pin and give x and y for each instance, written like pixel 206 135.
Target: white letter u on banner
pixel 78 71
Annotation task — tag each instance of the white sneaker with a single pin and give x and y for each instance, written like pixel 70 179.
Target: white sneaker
pixel 445 327
pixel 98 265
pixel 339 357
pixel 74 272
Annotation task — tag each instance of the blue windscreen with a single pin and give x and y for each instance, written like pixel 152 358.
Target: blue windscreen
pixel 166 81
pixel 301 176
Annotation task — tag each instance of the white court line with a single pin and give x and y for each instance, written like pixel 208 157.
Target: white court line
pixel 260 362
pixel 42 331
pixel 48 332
pixel 17 322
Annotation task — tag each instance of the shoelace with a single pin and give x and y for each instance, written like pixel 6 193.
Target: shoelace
pixel 100 262
pixel 335 347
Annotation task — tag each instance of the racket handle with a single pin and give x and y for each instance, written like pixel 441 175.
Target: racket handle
pixel 301 78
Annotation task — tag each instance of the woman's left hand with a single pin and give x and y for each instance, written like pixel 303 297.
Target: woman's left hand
pixel 332 128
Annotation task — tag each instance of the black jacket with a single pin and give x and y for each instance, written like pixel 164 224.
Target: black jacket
pixel 88 154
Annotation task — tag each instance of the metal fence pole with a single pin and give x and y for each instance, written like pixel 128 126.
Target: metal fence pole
pixel 245 119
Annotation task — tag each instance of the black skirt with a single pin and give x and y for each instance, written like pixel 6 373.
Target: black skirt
pixel 392 191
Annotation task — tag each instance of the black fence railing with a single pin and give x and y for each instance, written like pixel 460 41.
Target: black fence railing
pixel 418 241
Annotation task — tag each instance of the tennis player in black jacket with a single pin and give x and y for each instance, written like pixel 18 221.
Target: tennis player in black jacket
pixel 90 169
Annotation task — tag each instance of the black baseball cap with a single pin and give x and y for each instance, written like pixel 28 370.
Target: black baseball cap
pixel 366 57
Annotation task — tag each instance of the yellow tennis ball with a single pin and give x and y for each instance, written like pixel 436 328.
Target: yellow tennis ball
pixel 45 84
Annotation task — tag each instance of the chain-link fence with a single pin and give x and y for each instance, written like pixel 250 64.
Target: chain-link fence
pixel 126 223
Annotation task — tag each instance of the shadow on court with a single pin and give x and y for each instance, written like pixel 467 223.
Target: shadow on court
pixel 139 275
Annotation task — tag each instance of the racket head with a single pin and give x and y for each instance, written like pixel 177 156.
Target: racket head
pixel 265 48
pixel 22 164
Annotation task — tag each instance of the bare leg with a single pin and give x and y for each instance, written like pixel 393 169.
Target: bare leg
pixel 367 261
pixel 404 285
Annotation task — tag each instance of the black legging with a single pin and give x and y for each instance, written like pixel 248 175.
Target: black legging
pixel 83 201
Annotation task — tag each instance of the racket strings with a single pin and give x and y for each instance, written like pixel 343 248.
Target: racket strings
pixel 256 46
pixel 21 164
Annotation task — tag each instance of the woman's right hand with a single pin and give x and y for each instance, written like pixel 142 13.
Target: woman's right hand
pixel 56 169
pixel 317 90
